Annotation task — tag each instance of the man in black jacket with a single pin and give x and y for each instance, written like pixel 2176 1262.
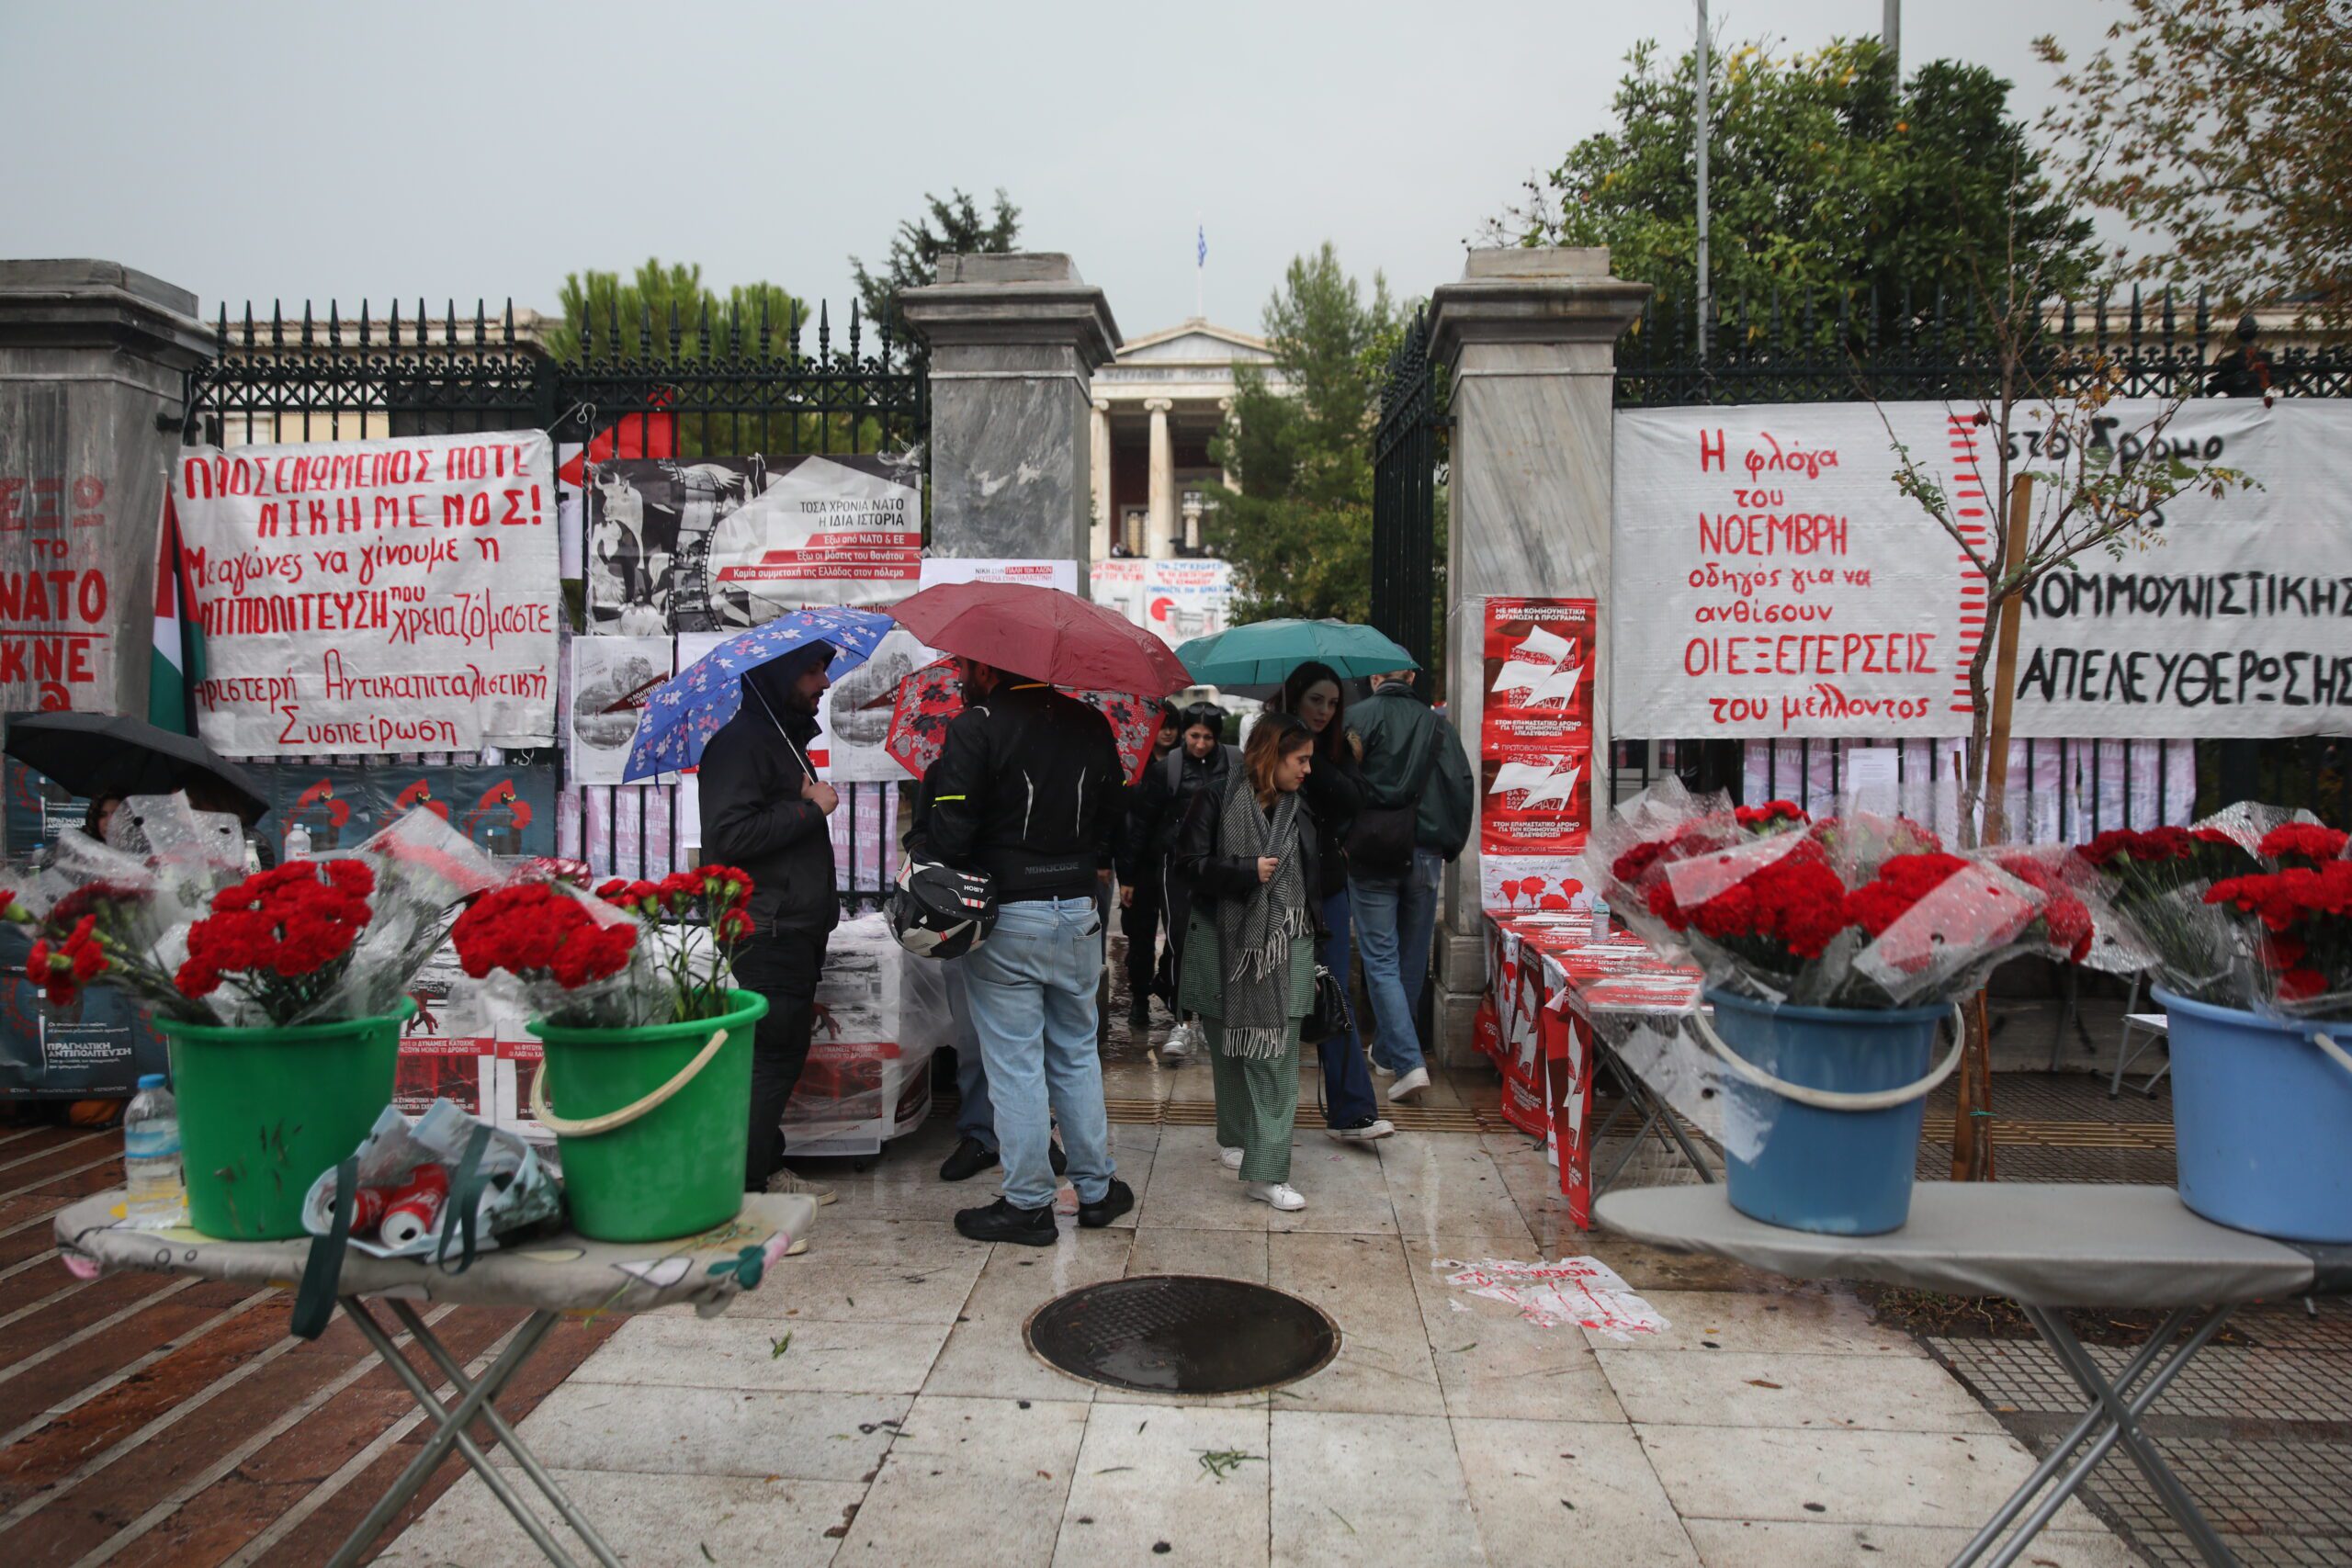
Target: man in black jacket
pixel 1027 789
pixel 764 811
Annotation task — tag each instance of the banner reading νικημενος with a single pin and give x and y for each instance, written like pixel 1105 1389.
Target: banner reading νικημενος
pixel 365 596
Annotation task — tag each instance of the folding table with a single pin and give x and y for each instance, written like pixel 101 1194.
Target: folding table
pixel 2045 1246
pixel 547 1276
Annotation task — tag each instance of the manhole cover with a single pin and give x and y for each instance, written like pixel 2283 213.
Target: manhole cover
pixel 1183 1333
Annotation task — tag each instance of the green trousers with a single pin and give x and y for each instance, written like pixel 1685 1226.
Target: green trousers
pixel 1256 1104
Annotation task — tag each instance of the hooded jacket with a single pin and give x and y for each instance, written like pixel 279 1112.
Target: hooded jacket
pixel 753 816
pixel 1156 807
pixel 1413 757
pixel 1027 788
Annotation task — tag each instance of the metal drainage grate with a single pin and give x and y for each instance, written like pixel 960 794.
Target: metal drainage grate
pixel 1183 1333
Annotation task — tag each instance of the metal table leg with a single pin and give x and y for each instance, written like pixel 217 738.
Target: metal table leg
pixel 2114 1417
pixel 1655 1113
pixel 473 1403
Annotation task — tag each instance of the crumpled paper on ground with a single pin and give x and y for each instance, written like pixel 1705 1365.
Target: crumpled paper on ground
pixel 1582 1290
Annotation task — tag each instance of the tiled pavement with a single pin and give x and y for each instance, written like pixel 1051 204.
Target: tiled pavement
pixel 905 1421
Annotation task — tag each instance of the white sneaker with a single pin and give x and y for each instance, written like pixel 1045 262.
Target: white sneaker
pixel 1410 1086
pixel 1281 1194
pixel 1232 1157
pixel 1378 1127
pixel 1178 1044
pixel 785 1181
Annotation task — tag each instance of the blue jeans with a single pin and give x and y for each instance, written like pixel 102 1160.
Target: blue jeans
pixel 1395 917
pixel 1348 1098
pixel 1031 991
pixel 975 1116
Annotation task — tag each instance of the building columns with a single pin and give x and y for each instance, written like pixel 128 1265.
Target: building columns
pixel 1529 337
pixel 1159 539
pixel 1100 536
pixel 1015 342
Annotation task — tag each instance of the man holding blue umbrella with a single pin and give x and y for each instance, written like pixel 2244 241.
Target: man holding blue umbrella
pixel 763 812
pixel 745 712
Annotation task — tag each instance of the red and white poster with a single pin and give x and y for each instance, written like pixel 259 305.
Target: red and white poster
pixel 365 596
pixel 1535 749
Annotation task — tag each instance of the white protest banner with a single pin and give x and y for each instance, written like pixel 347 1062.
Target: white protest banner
pixel 1117 585
pixel 1769 578
pixel 1185 598
pixel 395 595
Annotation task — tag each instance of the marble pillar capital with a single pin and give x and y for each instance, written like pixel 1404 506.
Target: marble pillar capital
pixel 1101 405
pixel 1158 405
pixel 1544 296
pixel 82 304
pixel 1032 300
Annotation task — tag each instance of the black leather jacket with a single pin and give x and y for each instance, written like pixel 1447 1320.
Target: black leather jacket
pixel 1027 788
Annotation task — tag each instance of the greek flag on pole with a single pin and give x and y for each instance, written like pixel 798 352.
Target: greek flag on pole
pixel 1200 246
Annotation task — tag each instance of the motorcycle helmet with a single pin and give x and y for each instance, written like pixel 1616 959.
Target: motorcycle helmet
pixel 937 911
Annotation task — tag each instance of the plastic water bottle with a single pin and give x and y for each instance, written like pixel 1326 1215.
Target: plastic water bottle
pixel 151 1155
pixel 298 842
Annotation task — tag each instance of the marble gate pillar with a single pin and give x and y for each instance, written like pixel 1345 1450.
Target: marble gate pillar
pixel 1529 338
pixel 1015 342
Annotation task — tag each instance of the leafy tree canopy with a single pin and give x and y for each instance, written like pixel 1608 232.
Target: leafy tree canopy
pixel 1298 529
pixel 2220 127
pixel 1825 178
pixel 645 308
pixel 953 226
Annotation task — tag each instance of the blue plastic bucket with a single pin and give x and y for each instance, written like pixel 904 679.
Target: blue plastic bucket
pixel 2261 1121
pixel 1806 1168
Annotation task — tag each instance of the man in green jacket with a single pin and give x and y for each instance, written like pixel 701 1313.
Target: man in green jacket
pixel 1413 763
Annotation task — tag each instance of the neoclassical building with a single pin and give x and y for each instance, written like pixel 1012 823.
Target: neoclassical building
pixel 1156 406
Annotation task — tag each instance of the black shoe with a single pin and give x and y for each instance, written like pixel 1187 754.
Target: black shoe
pixel 1116 1201
pixel 970 1158
pixel 1060 1160
pixel 1001 1221
pixel 1139 1015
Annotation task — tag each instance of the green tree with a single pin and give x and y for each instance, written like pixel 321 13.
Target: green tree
pixel 643 308
pixel 1826 180
pixel 2219 127
pixel 1297 527
pixel 953 226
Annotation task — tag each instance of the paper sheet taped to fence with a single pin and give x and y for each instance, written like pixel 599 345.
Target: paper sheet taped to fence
pixel 373 595
pixel 1769 578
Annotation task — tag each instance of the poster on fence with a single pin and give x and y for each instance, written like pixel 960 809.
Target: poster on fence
pixel 727 543
pixel 367 597
pixel 1534 748
pixel 1186 598
pixel 1769 578
pixel 611 678
pixel 508 808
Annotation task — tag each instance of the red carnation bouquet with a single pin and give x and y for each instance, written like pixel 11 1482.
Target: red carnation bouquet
pixel 630 954
pixel 1854 911
pixel 164 910
pixel 2257 914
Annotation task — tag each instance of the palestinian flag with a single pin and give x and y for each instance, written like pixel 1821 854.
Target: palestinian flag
pixel 177 662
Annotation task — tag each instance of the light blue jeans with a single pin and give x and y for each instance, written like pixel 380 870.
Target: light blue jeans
pixel 1395 917
pixel 1031 990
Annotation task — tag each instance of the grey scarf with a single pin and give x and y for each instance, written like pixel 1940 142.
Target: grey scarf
pixel 1254 933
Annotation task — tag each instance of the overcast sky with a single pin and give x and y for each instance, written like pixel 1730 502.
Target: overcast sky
pixel 259 150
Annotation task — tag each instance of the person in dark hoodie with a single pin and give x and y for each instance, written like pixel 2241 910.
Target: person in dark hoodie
pixel 1199 765
pixel 764 811
pixel 1027 788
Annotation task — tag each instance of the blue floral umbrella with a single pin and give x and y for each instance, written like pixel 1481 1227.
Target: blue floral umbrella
pixel 685 711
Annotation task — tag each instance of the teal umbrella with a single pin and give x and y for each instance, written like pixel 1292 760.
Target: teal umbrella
pixel 1264 653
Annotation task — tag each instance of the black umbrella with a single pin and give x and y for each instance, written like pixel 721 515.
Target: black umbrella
pixel 97 754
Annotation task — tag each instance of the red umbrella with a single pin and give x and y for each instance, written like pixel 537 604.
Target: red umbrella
pixel 1043 633
pixel 933 695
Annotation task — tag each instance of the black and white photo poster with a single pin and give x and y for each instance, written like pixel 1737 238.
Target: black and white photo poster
pixel 611 677
pixel 727 543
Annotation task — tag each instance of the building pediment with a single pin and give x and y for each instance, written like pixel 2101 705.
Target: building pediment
pixel 1196 342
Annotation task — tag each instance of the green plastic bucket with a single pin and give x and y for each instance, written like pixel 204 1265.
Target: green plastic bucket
pixel 650 1125
pixel 263 1111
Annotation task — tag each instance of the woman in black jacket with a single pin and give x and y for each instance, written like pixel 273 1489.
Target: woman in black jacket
pixel 1334 791
pixel 1248 855
pixel 1197 766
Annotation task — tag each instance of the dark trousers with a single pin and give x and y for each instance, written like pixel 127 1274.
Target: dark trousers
pixel 1347 1079
pixel 781 965
pixel 1140 921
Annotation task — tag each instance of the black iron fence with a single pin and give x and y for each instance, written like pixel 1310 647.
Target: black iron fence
pixel 1408 450
pixel 2166 345
pixel 734 383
